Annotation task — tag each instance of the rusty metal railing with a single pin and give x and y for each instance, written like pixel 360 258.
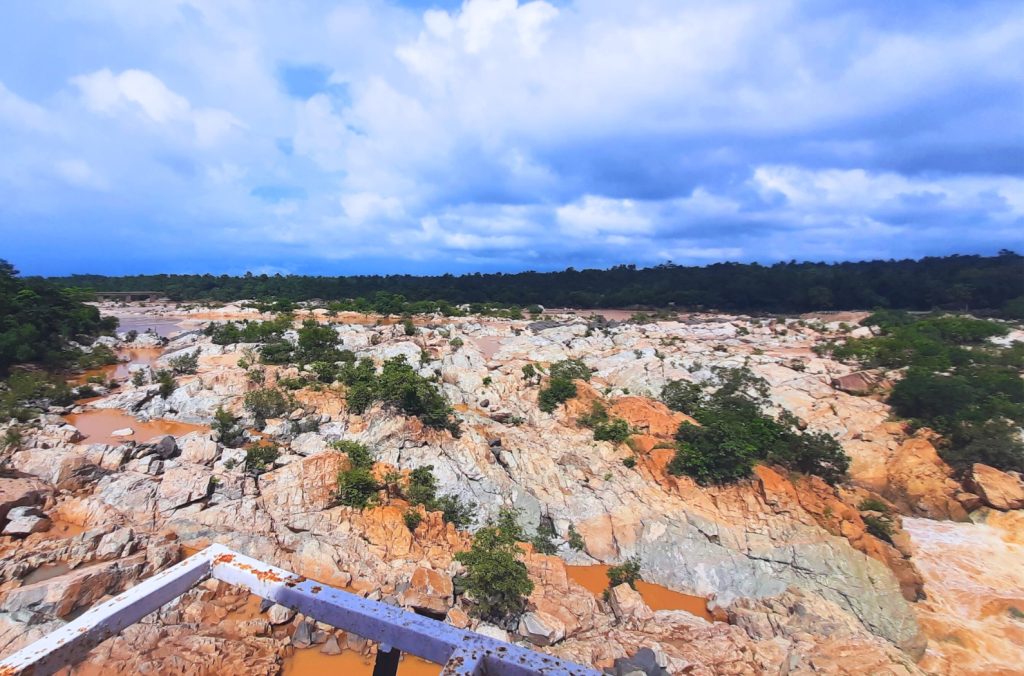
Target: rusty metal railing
pixel 463 653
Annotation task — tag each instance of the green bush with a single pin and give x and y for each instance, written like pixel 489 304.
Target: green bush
pixel 575 540
pixel 260 459
pixel 167 383
pixel 734 433
pixel 357 486
pixel 495 577
pixel 682 395
pixel 628 572
pixel 422 490
pixel 25 393
pixel 873 505
pixel 629 462
pixel 412 519
pixel 400 386
pixel 557 392
pixel 229 432
pixel 570 369
pixel 185 364
pixel 615 430
pixel 879 526
pixel 266 403
pixel 544 540
pixel 99 355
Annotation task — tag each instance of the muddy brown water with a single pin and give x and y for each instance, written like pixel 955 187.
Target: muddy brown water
pixel 312 662
pixel 119 371
pixel 97 425
pixel 595 579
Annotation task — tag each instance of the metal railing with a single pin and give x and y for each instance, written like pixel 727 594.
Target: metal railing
pixel 463 653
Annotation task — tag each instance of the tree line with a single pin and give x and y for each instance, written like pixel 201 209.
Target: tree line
pixel 958 282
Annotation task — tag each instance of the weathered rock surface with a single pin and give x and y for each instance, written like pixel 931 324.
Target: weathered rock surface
pixel 997 489
pixel 787 561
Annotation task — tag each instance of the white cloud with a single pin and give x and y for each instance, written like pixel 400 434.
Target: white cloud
pixel 142 92
pixel 595 215
pixel 367 206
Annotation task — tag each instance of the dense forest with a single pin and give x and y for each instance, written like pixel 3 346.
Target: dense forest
pixel 38 318
pixel 994 283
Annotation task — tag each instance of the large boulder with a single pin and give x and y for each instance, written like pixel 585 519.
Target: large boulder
pixel 307 485
pixel 198 448
pixel 429 591
pixel 22 521
pixel 20 492
pixel 997 489
pixel 540 628
pixel 627 604
pixel 181 486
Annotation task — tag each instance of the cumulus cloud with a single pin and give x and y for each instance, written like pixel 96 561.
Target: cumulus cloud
pixel 143 93
pixel 503 134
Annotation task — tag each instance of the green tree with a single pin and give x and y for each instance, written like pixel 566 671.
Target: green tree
pixel 496 579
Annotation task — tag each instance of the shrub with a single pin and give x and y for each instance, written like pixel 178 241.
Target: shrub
pixel 570 369
pixel 259 459
pixel 166 381
pixel 357 486
pixel 873 505
pixel 615 430
pixel 558 390
pixel 99 355
pixel 400 386
pixel 879 526
pixel 412 519
pixel 138 378
pixel 495 577
pixel 456 512
pixel 227 428
pixel 408 327
pixel 628 572
pixel 629 462
pixel 131 336
pixel 277 352
pixel 530 373
pixel 266 403
pixel 185 363
pixel 544 540
pixel 422 490
pixel 734 434
pixel 456 343
pixel 575 540
pixel 316 343
pixel 682 395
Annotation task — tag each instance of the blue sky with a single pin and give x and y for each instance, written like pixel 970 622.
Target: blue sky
pixel 355 137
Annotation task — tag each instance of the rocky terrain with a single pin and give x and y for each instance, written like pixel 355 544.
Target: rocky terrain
pixel 795 581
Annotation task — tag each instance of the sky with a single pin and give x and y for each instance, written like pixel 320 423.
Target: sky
pixel 359 137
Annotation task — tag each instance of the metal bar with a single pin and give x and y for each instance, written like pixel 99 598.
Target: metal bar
pixel 464 663
pixel 430 639
pixel 464 653
pixel 75 639
pixel 386 663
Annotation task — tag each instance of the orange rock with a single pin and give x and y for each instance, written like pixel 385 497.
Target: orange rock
pixel 649 416
pixel 998 489
pixel 428 591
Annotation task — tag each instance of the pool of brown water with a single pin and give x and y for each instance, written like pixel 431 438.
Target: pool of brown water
pixel 97 425
pixel 312 662
pixel 595 579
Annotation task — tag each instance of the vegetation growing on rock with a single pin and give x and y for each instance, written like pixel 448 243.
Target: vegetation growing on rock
pixel 956 382
pixel 735 433
pixel 496 578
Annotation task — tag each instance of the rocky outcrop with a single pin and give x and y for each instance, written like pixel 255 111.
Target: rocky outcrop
pixel 1000 490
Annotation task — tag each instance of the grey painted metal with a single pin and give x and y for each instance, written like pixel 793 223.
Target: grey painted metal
pixel 464 653
pixel 430 639
pixel 75 639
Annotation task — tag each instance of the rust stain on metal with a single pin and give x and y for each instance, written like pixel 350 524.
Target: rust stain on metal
pixel 317 589
pixel 224 558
